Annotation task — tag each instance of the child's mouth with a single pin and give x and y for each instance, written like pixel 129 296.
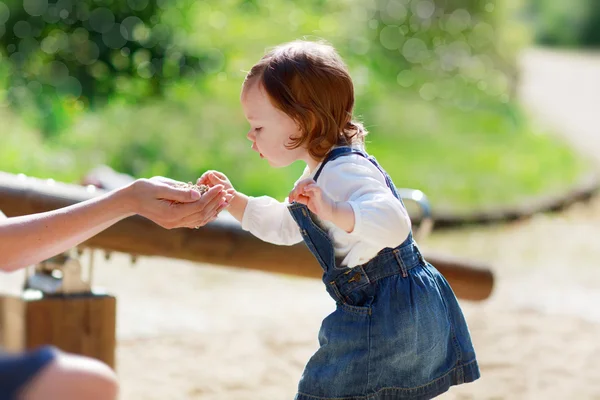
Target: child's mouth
pixel 255 148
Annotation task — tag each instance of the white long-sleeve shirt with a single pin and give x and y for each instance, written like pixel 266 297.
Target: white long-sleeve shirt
pixel 380 219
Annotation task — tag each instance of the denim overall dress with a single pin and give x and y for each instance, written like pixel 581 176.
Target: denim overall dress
pixel 397 331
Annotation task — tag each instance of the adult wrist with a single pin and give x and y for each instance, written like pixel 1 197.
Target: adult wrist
pixel 128 199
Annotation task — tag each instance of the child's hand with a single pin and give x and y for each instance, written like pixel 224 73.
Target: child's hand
pixel 237 204
pixel 309 193
pixel 212 178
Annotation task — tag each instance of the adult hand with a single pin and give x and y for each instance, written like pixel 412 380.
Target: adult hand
pixel 170 206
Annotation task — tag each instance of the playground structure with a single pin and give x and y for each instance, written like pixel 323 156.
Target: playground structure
pixel 65 300
pixel 222 242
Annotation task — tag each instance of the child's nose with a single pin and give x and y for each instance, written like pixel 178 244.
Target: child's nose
pixel 250 135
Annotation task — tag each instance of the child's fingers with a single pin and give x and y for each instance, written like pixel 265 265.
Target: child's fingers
pixel 211 177
pixel 218 174
pixel 296 194
pixel 293 193
pixel 292 196
pixel 216 179
pixel 208 180
pixel 204 176
pixel 302 199
pixel 304 182
pixel 299 188
pixel 312 190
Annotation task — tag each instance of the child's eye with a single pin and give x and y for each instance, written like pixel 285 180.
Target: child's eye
pixel 257 129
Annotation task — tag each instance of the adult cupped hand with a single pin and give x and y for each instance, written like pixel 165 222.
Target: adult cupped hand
pixel 171 205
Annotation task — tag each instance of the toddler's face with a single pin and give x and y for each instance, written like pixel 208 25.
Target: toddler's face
pixel 270 128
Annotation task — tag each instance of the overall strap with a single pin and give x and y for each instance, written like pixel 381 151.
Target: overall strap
pixel 343 151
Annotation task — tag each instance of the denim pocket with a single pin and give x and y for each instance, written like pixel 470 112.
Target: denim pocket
pixel 359 310
pixel 358 304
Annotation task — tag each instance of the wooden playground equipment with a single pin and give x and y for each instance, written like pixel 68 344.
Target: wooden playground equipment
pixel 68 303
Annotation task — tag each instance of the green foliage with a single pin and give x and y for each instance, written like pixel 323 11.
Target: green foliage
pixel 452 52
pixel 68 54
pixel 574 23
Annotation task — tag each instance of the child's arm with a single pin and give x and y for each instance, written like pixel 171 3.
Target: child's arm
pixel 352 194
pixel 264 217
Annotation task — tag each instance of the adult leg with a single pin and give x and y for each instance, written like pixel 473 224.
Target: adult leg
pixel 71 376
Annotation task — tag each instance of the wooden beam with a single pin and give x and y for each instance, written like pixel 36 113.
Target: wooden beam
pixel 221 242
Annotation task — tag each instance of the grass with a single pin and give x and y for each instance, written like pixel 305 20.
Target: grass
pixel 475 159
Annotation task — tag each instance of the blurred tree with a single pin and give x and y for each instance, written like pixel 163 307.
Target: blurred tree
pixel 65 55
pixel 457 52
pixel 573 24
pixel 590 32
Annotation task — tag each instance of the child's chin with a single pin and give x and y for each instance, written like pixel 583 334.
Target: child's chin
pixel 277 164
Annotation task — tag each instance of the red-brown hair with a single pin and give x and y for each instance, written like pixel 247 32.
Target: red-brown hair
pixel 310 83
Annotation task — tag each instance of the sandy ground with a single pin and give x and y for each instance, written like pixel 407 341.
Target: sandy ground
pixel 189 331
pixel 213 333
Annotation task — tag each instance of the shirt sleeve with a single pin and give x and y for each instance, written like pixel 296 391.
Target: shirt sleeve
pixel 271 221
pixel 379 217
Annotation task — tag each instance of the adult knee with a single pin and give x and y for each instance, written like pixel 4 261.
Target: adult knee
pixel 73 377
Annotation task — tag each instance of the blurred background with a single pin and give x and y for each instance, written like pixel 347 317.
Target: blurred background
pixel 481 104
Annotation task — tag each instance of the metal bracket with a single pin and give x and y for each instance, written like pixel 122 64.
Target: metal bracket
pixel 425 219
pixel 61 274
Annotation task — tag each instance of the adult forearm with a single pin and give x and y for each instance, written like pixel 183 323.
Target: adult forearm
pixel 29 239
